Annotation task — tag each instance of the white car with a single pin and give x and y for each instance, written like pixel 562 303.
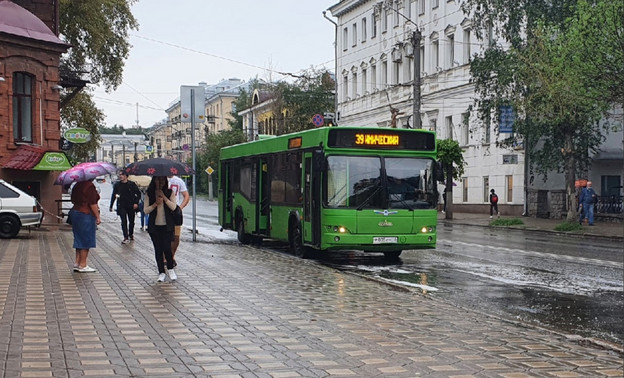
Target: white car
pixel 17 210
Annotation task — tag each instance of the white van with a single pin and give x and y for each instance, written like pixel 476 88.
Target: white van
pixel 17 210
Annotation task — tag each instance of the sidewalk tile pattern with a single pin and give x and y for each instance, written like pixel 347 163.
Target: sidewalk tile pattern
pixel 238 311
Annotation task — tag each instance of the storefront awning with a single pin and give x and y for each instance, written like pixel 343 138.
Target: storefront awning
pixel 36 158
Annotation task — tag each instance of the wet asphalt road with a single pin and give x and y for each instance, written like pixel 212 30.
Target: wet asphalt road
pixel 570 285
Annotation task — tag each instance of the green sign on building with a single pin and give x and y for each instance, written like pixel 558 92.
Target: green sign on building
pixel 53 161
pixel 77 135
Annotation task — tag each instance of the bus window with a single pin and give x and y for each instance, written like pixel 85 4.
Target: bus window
pixel 353 181
pixel 410 183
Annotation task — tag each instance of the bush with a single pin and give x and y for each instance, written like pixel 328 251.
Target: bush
pixel 568 226
pixel 507 222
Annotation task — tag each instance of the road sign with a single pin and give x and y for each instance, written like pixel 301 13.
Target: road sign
pixel 506 119
pixel 318 120
pixel 209 170
pixel 197 93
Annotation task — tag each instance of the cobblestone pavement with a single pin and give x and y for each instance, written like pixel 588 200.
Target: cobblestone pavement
pixel 237 311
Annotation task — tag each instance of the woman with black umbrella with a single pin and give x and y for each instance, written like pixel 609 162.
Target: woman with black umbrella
pixel 160 203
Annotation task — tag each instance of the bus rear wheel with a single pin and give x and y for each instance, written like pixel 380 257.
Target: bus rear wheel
pixel 392 255
pixel 240 232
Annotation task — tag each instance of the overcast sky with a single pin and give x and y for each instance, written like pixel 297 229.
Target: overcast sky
pixel 185 42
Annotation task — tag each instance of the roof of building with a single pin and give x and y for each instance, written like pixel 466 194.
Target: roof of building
pixel 17 21
pixel 25 158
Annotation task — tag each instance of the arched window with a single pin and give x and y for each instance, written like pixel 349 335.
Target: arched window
pixel 23 84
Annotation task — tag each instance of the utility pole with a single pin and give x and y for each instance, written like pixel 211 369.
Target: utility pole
pixel 416 37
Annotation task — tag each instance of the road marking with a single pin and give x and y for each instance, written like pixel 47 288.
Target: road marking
pixel 614 264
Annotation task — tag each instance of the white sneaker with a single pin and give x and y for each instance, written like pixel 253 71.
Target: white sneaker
pixel 161 277
pixel 86 269
pixel 490 217
pixel 172 275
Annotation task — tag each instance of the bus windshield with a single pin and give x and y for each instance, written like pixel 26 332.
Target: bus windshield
pixel 380 182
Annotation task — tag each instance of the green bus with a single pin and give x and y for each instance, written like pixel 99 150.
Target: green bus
pixel 333 188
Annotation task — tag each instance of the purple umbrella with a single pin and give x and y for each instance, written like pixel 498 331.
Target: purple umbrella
pixel 84 172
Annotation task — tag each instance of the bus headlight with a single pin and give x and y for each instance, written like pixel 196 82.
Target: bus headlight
pixel 339 229
pixel 427 229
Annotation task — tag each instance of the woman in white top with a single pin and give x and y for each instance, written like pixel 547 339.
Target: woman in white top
pixel 159 204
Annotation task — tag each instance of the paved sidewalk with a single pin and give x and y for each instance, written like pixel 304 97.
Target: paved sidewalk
pixel 238 311
pixel 600 229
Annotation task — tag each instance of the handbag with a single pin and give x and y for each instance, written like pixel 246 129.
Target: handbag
pixel 177 216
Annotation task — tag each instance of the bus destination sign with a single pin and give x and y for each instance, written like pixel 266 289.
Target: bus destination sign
pixel 383 139
pixel 376 140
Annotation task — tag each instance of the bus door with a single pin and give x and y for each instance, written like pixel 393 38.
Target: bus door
pixel 263 198
pixel 311 200
pixel 225 195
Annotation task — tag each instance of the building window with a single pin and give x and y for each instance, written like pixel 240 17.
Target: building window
pixel 384 21
pixel 451 50
pixel 433 124
pixel 408 69
pixel 22 106
pixel 354 34
pixel 364 87
pixel 435 4
pixel 486 189
pixel 434 55
pixel 408 9
pixel 355 83
pixel 345 88
pixel 465 189
pixel 467 46
pixel 488 127
pixel 421 7
pixel 509 183
pixel 384 74
pixel 395 11
pixel 345 38
pixel 373 78
pixel 422 58
pixel 465 131
pixel 510 159
pixel 449 127
pixel 373 26
pixel 395 72
pixel 364 29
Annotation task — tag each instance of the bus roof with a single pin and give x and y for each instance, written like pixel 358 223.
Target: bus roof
pixel 343 137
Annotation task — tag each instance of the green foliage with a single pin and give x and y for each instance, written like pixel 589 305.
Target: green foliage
pixel 81 112
pixel 97 31
pixel 242 102
pixel 450 154
pixel 116 129
pixel 504 222
pixel 568 226
pixel 209 155
pixel 294 104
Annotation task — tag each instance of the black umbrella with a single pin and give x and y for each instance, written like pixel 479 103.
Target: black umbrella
pixel 158 167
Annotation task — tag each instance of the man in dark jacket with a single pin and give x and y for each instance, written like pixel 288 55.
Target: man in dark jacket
pixel 128 196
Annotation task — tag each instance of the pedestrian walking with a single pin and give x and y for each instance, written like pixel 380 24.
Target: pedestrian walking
pixel 178 186
pixel 159 204
pixel 127 195
pixel 587 200
pixel 84 216
pixel 494 204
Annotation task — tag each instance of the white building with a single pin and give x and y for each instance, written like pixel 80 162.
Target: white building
pixel 375 75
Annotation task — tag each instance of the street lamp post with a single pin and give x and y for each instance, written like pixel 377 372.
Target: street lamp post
pixel 416 37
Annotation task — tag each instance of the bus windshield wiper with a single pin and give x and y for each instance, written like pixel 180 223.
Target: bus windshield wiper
pixel 369 197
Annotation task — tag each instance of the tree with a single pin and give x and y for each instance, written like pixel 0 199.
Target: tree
pixel 83 113
pixel 211 151
pixel 97 30
pixel 450 155
pixel 557 96
pixel 295 104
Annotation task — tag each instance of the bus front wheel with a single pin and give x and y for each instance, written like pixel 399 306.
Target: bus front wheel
pixel 296 242
pixel 392 255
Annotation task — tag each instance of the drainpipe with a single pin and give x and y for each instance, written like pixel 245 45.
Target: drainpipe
pixel 335 67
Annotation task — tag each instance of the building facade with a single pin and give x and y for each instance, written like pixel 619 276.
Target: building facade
pixel 30 135
pixel 375 86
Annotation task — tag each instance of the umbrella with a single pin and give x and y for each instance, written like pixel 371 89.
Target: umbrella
pixel 84 172
pixel 141 181
pixel 158 167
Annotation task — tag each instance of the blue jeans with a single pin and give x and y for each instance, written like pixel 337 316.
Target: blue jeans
pixel 587 212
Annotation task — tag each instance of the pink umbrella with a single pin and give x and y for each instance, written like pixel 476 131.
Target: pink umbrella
pixel 84 172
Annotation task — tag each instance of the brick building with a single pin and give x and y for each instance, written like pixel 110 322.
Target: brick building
pixel 30 50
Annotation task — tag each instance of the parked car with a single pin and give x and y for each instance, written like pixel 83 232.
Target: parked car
pixel 17 210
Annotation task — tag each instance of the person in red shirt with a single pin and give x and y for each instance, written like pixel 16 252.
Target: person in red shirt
pixel 84 216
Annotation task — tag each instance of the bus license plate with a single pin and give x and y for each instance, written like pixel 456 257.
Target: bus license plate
pixel 384 239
